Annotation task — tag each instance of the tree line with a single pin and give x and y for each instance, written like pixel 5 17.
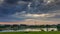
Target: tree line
pixel 23 26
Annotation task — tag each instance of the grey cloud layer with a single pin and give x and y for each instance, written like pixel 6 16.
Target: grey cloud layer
pixel 15 10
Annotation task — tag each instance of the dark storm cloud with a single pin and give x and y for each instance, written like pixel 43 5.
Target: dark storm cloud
pixel 11 7
pixel 40 8
pixel 10 19
pixel 11 1
pixel 44 7
pixel 27 0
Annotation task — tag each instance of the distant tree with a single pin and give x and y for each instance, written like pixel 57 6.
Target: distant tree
pixel 53 26
pixel 58 27
pixel 14 27
pixel 2 27
pixel 7 26
pixel 23 26
pixel 42 26
pixel 47 26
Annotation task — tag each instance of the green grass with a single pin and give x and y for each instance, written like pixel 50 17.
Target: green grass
pixel 29 32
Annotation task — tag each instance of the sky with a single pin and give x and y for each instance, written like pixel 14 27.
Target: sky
pixel 22 10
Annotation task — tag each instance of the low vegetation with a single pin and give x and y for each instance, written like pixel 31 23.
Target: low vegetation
pixel 30 32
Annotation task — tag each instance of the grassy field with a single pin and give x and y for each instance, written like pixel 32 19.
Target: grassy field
pixel 29 32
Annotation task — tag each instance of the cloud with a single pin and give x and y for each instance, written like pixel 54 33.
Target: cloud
pixel 1 1
pixel 11 1
pixel 23 13
pixel 10 11
pixel 40 15
pixel 27 0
